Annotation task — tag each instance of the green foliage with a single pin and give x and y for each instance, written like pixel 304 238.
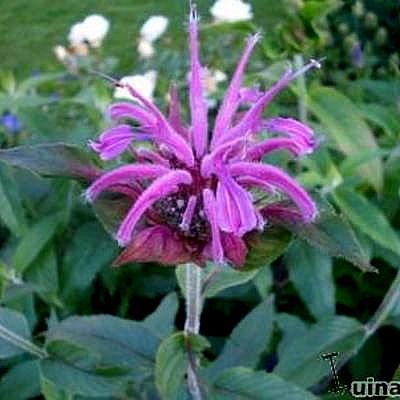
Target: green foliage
pixel 73 328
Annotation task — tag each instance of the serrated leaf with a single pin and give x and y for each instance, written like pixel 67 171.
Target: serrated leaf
pixel 16 323
pixel 368 218
pixel 244 384
pixel 32 243
pixel 54 160
pixel 301 360
pixel 11 210
pixel 311 273
pixel 331 234
pixel 266 247
pixel 346 126
pixel 172 363
pixel 248 340
pixel 21 382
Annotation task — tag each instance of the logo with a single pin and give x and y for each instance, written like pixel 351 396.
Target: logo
pixel 361 389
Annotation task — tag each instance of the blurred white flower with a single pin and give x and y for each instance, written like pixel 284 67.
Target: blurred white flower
pixel 211 78
pixel 145 84
pixel 61 53
pixel 154 28
pixel 145 49
pixel 96 29
pixel 231 11
pixel 77 34
pixel 93 29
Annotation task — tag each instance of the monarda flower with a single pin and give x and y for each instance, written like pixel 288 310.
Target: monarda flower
pixel 193 191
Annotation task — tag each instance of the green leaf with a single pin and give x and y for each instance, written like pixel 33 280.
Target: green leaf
pixel 368 218
pixel 331 234
pixel 111 209
pixel 244 384
pixel 50 391
pixel 21 382
pixel 247 341
pixel 266 247
pixel 11 210
pixel 162 321
pixel 43 274
pixel 263 281
pixel 291 328
pixel 311 273
pixel 346 126
pixel 301 361
pixel 382 116
pixel 12 322
pixel 90 250
pixel 79 381
pixel 32 243
pixel 216 278
pixel 172 363
pixel 58 159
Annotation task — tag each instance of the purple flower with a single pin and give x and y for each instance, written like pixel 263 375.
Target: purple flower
pixel 11 122
pixel 193 188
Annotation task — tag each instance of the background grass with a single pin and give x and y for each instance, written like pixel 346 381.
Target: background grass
pixel 30 29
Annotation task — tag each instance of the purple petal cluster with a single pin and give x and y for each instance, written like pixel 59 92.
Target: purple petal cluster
pixel 192 185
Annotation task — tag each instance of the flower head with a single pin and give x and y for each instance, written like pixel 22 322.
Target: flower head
pixel 11 122
pixel 192 191
pixel 145 84
pixel 231 11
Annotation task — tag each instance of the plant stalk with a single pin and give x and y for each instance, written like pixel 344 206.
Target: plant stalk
pixel 192 324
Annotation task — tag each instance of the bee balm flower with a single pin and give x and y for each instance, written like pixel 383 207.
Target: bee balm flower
pixel 191 192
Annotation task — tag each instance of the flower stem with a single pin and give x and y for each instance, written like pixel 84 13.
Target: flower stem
pixel 192 324
pixel 22 343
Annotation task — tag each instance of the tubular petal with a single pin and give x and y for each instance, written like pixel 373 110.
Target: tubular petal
pixel 175 118
pixel 126 110
pixel 210 210
pixel 160 188
pixel 276 177
pixel 188 214
pixel 113 142
pixel 256 152
pixel 252 118
pixel 165 132
pixel 123 175
pixel 235 210
pixel 198 106
pixel 294 129
pixel 232 97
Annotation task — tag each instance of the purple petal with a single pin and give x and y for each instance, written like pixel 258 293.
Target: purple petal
pixel 274 176
pixel 235 249
pixel 165 132
pixel 256 152
pixel 160 188
pixel 235 210
pixel 123 175
pixel 198 105
pixel 251 120
pixel 210 209
pixel 113 142
pixel 175 118
pixel 250 95
pixel 294 129
pixel 144 154
pixel 188 214
pixel 232 98
pixel 119 111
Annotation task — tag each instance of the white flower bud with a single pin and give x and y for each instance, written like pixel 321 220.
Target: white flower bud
pixel 154 28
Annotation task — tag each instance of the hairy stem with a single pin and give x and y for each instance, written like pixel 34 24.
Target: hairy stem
pixel 22 343
pixel 192 324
